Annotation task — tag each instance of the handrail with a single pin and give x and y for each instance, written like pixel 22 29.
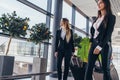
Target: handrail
pixel 24 75
pixel 20 38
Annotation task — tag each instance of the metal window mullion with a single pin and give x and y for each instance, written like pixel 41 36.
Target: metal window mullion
pixel 49 6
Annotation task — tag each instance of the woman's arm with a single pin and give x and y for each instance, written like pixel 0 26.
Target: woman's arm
pixel 92 34
pixel 73 47
pixel 56 42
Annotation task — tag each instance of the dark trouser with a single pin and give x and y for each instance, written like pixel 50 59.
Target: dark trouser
pixel 67 57
pixel 106 55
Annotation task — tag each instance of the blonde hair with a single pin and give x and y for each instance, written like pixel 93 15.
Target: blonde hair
pixel 67 26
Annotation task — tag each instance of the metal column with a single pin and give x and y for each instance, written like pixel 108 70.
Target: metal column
pixel 49 6
pixel 87 26
pixel 73 16
pixel 56 24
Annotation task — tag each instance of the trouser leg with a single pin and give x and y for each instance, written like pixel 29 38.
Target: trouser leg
pixel 106 56
pixel 66 65
pixel 59 65
pixel 91 63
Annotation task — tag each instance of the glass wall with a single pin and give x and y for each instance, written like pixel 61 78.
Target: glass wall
pixel 40 3
pixel 80 21
pixel 22 10
pixel 80 34
pixel 67 11
pixel 22 47
pixel 19 47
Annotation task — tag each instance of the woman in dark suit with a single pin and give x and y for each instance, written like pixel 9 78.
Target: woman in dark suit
pixel 101 32
pixel 64 48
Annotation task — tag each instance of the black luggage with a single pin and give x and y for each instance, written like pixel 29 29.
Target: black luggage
pixel 78 68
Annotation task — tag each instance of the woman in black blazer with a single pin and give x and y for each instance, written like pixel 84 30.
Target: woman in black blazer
pixel 64 48
pixel 101 32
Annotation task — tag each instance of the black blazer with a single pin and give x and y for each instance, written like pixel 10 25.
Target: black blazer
pixel 105 33
pixel 68 46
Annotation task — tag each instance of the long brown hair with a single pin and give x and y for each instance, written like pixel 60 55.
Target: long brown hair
pixel 67 26
pixel 108 11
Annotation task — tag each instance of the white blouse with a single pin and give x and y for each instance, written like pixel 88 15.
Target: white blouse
pixel 96 25
pixel 63 34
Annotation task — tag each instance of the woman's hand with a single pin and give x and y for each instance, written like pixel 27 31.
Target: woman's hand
pixel 56 54
pixel 96 51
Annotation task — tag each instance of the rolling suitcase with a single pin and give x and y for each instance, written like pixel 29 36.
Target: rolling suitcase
pixel 78 68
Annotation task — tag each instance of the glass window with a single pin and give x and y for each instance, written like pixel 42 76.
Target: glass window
pixel 80 21
pixel 21 47
pixel 80 34
pixel 22 11
pixel 67 11
pixel 41 3
pixel 53 6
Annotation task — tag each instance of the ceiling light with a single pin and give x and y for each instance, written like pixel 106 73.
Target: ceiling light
pixel 118 13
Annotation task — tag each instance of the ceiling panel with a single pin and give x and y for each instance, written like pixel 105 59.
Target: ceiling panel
pixel 87 6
